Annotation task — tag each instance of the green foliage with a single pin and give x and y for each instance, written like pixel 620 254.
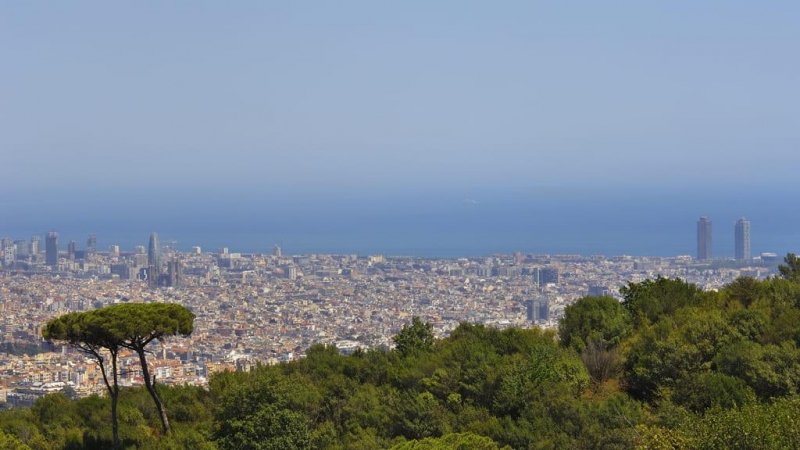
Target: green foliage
pixel 259 410
pixel 751 324
pixel 663 354
pixel 752 427
pixel 745 290
pixel 417 416
pixel 650 299
pixel 140 323
pixel 602 320
pixel 770 370
pixel 701 391
pixel 268 428
pixel 458 441
pixel 10 442
pixel 545 367
pixel 790 270
pixel 21 425
pixel 415 338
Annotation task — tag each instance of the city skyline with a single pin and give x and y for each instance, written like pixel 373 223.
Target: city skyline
pixel 153 251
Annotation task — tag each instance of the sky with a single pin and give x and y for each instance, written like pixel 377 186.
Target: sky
pixel 322 97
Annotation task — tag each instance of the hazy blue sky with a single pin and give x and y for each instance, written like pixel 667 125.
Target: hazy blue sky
pixel 380 95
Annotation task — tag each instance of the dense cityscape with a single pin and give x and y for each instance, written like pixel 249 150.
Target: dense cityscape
pixel 267 308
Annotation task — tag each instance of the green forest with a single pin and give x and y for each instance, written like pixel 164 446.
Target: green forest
pixel 669 367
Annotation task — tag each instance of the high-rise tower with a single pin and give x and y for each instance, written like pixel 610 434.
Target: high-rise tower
pixel 72 249
pixel 91 244
pixel 51 249
pixel 35 242
pixel 154 254
pixel 704 239
pixel 742 239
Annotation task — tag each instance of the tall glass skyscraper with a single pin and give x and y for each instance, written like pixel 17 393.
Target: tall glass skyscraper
pixel 742 239
pixel 51 249
pixel 154 253
pixel 704 239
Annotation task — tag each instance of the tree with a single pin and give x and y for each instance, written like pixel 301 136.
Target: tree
pixel 661 356
pixel 649 300
pixel 791 269
pixel 415 338
pixel 770 370
pixel 258 410
pixel 701 391
pixel 88 332
pixel 10 442
pixel 269 428
pixel 602 320
pixel 136 325
pixel 745 290
pixel 594 327
pixel 461 441
pixel 602 362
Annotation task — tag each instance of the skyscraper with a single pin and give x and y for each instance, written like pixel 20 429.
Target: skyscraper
pixel 35 241
pixel 91 244
pixel 704 239
pixel 742 239
pixel 154 254
pixel 72 249
pixel 9 251
pixel 51 249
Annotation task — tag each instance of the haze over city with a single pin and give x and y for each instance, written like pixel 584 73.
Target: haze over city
pixel 558 120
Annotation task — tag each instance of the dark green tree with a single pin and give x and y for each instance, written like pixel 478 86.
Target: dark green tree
pixel 136 325
pixel 10 442
pixel 89 333
pixel 662 355
pixel 461 441
pixel 755 426
pixel 701 391
pixel 770 370
pixel 260 410
pixel 415 338
pixel 269 428
pixel 594 327
pixel 602 320
pixel 745 290
pixel 650 299
pixel 791 267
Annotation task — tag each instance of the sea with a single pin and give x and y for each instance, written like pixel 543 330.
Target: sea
pixel 448 223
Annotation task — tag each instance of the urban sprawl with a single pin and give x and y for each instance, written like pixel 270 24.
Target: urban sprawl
pixel 266 308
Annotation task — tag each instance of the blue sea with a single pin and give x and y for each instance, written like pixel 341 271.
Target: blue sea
pixel 441 223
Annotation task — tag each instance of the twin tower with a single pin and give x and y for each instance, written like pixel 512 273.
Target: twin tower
pixel 741 239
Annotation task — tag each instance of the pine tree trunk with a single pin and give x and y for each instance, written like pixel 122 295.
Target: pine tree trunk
pixel 114 421
pixel 114 398
pixel 151 388
pixel 113 392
